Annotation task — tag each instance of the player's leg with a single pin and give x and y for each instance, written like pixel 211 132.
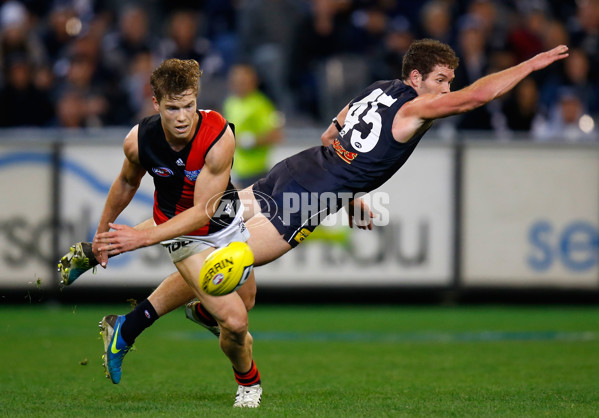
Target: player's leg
pixel 266 238
pixel 235 340
pixel 120 331
pixel 266 241
pixel 173 292
pixel 197 313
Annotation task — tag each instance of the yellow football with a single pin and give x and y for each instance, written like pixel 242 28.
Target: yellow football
pixel 226 269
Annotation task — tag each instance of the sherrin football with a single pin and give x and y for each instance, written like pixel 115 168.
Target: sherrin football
pixel 226 269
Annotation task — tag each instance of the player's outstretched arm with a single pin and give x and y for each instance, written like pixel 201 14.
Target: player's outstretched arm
pixel 483 90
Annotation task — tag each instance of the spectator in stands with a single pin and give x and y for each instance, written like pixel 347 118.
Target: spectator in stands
pixel 387 62
pixel 575 76
pixel 494 19
pixel 137 85
pixel 265 40
pixel 584 32
pixel 370 25
pixel 567 121
pixel 291 57
pixel 220 17
pixel 71 111
pixel 324 32
pixel 258 125
pixel 521 107
pixel 132 37
pixel 16 36
pixel 436 21
pixel 55 36
pixel 183 41
pixel 472 51
pixel 526 38
pixel 23 103
pixel 106 102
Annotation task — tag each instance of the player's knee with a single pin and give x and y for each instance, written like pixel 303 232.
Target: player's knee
pixel 235 327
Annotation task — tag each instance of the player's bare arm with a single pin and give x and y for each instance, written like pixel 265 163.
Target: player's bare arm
pixel 431 105
pixel 210 184
pixel 332 131
pixel 121 192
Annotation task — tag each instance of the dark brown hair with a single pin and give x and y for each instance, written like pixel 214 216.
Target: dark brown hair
pixel 424 54
pixel 174 76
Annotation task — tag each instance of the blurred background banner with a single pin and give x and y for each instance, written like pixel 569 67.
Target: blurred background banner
pixel 25 214
pixel 531 216
pixel 459 215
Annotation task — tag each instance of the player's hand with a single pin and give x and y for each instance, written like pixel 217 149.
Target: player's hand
pixel 121 239
pixel 543 59
pixel 101 256
pixel 359 214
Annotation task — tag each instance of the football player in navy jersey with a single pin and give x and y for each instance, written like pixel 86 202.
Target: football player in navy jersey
pixel 367 142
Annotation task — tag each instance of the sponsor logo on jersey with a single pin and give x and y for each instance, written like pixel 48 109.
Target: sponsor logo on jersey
pixel 174 246
pixel 162 171
pixel 302 234
pixel 345 155
pixel 192 175
pixel 180 162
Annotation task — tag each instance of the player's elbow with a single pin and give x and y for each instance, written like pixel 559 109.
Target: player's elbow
pixel 326 139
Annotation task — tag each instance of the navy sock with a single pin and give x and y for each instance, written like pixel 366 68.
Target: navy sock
pixel 137 320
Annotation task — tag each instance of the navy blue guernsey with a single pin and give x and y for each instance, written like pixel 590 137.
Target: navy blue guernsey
pixel 365 154
pixel 175 172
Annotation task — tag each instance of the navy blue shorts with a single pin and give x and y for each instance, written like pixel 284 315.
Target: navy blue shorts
pixel 293 210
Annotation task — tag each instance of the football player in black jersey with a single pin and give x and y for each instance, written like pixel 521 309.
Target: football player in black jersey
pixel 189 154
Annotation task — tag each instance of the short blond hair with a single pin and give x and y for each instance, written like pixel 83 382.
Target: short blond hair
pixel 175 76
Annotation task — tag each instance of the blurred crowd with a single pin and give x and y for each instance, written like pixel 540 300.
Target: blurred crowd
pixel 86 63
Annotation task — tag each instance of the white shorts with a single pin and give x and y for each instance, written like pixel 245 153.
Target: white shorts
pixel 186 245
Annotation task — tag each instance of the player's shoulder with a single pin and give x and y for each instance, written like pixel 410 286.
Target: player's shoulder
pixel 211 118
pixel 130 145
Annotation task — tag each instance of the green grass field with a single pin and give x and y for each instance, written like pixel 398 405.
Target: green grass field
pixel 315 361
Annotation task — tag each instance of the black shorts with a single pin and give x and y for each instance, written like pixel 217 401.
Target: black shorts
pixel 293 210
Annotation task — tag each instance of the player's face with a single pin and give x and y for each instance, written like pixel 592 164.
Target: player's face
pixel 438 81
pixel 178 115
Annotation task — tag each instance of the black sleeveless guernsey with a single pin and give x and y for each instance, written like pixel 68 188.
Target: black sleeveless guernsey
pixel 175 172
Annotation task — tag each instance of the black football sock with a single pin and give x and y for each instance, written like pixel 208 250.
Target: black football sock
pixel 206 316
pixel 137 320
pixel 249 378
